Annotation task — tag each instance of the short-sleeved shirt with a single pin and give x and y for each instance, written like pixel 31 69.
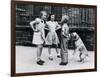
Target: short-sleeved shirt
pixel 65 29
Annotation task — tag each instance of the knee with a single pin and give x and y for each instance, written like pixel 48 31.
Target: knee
pixel 49 46
pixel 40 46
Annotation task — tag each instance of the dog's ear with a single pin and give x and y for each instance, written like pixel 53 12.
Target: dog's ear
pixel 77 36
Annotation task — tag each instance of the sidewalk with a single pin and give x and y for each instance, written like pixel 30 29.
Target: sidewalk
pixel 26 61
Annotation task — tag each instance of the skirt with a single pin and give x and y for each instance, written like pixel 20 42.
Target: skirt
pixel 52 38
pixel 37 38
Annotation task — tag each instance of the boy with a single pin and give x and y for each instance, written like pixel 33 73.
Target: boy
pixel 64 40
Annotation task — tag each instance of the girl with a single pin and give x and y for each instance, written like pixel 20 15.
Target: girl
pixel 52 37
pixel 64 40
pixel 39 36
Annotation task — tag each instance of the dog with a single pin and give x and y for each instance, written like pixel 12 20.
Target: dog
pixel 79 46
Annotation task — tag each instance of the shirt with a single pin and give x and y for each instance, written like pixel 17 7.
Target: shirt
pixel 65 29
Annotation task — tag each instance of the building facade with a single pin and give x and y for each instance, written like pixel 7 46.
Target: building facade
pixel 82 21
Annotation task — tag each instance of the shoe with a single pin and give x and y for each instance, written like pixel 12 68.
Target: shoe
pixel 81 60
pixel 50 58
pixel 58 56
pixel 62 63
pixel 42 61
pixel 87 55
pixel 39 63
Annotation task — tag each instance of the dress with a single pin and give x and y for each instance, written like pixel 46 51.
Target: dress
pixel 52 37
pixel 39 34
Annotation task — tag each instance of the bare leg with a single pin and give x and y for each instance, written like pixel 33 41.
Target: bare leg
pixel 56 47
pixel 41 48
pixel 58 53
pixel 49 50
pixel 39 52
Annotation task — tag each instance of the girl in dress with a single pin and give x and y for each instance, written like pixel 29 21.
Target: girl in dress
pixel 39 36
pixel 52 37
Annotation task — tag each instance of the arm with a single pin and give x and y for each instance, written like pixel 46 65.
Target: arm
pixel 64 34
pixel 58 26
pixel 46 26
pixel 33 24
pixel 65 31
pixel 43 34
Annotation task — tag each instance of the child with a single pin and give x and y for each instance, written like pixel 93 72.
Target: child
pixel 39 35
pixel 64 40
pixel 52 37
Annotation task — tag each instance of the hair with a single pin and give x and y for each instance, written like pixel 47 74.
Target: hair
pixel 49 18
pixel 41 12
pixel 65 19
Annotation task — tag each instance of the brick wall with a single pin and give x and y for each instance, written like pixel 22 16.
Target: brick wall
pixel 23 35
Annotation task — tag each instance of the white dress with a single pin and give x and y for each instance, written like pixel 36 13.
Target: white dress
pixel 38 36
pixel 52 37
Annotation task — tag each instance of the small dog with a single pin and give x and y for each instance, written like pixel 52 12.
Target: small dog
pixel 79 46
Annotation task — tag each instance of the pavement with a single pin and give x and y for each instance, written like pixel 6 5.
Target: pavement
pixel 26 60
